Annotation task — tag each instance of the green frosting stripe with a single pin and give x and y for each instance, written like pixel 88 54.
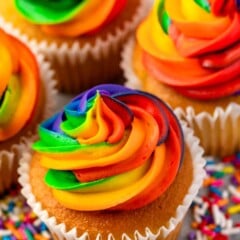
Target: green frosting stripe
pixel 163 17
pixel 165 20
pixel 203 4
pixel 10 100
pixel 70 182
pixel 50 12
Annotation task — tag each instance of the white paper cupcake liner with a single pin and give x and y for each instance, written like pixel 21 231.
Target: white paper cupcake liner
pixel 9 158
pixel 60 231
pixel 132 80
pixel 218 132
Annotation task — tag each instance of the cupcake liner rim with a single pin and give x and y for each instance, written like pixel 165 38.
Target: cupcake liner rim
pixel 126 65
pixel 217 131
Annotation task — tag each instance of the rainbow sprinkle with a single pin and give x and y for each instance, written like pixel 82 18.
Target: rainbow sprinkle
pixel 216 209
pixel 17 221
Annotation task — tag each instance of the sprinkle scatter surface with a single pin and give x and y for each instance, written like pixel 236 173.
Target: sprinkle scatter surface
pixel 17 221
pixel 215 212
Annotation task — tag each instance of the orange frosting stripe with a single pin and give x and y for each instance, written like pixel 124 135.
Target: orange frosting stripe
pixel 189 47
pixel 6 71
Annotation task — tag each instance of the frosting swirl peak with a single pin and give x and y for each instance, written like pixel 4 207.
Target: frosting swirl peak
pixel 199 39
pixel 110 148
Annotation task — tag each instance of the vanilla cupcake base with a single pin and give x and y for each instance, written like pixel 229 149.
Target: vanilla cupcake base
pixel 12 149
pixel 158 220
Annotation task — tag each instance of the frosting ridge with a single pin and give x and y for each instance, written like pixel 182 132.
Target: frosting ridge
pixel 112 144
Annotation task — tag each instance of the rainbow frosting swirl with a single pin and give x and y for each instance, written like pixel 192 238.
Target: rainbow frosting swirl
pixel 19 85
pixel 70 17
pixel 110 148
pixel 193 46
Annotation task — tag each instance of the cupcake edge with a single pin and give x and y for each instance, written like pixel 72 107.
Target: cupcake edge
pixel 9 158
pixel 60 230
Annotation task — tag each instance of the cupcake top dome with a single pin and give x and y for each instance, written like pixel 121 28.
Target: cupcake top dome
pixel 110 148
pixel 199 39
pixel 70 18
pixel 19 85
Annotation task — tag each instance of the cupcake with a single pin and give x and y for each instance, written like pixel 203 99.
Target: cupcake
pixel 26 86
pixel 115 163
pixel 81 39
pixel 189 57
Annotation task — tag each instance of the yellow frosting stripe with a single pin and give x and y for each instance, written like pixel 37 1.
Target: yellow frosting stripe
pixel 93 17
pixel 136 136
pixel 152 39
pixel 190 17
pixel 102 127
pixel 5 67
pixel 190 10
pixel 86 130
pixel 104 200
